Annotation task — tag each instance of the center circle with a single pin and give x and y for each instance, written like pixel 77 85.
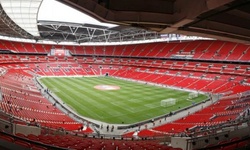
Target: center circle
pixel 106 87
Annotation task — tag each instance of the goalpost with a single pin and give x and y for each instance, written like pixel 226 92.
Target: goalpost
pixel 168 102
pixel 192 95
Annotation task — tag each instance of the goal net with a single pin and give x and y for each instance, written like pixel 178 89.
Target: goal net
pixel 168 102
pixel 192 95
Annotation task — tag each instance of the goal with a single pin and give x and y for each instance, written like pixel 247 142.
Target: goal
pixel 192 95
pixel 168 102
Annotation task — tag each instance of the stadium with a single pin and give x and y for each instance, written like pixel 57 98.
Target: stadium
pixel 124 75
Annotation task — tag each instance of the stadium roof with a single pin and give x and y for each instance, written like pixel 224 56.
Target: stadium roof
pixel 54 21
pixel 124 20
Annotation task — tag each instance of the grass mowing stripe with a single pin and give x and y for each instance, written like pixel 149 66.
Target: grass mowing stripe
pixel 86 97
pixel 69 97
pixel 132 103
pixel 88 105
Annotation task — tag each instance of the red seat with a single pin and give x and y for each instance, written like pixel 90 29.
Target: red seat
pixel 20 135
pixel 23 143
pixel 7 138
pixel 223 142
pixel 32 137
pixel 242 144
pixel 229 147
pixel 234 139
pixel 35 147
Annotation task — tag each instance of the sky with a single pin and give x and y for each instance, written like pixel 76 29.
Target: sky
pixel 52 10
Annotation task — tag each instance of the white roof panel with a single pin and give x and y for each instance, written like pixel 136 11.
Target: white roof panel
pixel 23 13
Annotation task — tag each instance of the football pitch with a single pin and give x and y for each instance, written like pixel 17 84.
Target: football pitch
pixel 117 101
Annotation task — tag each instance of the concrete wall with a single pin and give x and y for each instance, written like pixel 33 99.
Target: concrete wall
pixel 187 143
pixel 179 142
pixel 18 128
pixel 5 126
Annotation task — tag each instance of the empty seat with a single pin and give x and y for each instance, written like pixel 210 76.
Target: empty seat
pixel 23 143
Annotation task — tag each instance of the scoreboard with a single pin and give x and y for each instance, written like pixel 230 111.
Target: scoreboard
pixel 59 52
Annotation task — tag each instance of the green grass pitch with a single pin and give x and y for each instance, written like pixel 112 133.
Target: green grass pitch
pixel 132 103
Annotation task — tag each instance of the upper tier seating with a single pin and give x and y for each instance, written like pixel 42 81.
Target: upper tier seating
pixel 204 50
